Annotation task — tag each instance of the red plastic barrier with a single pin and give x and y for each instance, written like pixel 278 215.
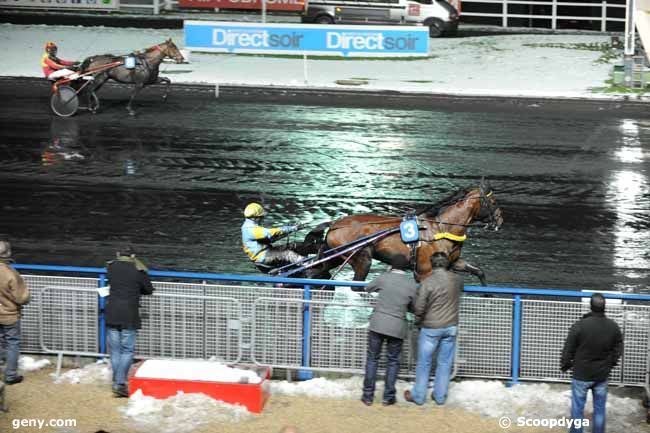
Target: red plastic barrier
pixel 251 395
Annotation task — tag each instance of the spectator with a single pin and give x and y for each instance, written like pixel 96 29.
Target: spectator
pixel 592 349
pixel 128 280
pixel 436 313
pixel 13 295
pixel 388 324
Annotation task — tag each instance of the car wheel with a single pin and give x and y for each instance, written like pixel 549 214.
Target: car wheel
pixel 435 28
pixel 324 19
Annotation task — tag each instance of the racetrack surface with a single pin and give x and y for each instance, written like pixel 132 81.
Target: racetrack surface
pixel 571 176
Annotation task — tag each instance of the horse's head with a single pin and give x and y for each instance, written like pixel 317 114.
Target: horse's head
pixel 170 50
pixel 489 210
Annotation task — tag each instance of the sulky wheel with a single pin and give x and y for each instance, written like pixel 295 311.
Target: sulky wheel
pixel 64 102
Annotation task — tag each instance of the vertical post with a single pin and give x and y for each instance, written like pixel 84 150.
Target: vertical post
pixel 306 334
pixel 304 67
pixel 264 11
pixel 554 15
pixel 504 18
pixel 516 341
pixel 603 22
pixel 102 319
pixel 628 61
pixel 156 7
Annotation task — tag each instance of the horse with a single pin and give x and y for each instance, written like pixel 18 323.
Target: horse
pixel 144 72
pixel 442 228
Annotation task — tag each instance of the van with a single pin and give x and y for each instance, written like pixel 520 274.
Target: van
pixel 439 16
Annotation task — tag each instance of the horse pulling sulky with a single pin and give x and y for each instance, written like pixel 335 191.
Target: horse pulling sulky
pixel 358 239
pixel 139 69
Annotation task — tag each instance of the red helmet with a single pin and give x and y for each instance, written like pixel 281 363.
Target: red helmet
pixel 50 46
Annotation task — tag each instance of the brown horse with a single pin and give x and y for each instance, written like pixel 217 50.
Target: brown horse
pixel 442 229
pixel 143 73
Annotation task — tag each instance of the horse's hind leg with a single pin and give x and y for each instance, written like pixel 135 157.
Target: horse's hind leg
pixel 361 262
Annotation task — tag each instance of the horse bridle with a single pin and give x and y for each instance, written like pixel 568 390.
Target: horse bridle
pixel 488 202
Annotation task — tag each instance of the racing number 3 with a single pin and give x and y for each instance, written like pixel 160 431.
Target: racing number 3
pixel 409 231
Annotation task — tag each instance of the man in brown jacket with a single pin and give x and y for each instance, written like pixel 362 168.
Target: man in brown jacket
pixel 436 314
pixel 13 295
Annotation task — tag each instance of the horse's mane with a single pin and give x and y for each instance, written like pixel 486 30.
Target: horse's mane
pixel 88 60
pixel 453 198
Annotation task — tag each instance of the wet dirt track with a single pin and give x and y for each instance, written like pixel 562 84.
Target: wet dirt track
pixel 571 177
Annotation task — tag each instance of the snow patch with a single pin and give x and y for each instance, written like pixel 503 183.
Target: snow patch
pixel 181 413
pixel 27 363
pixel 541 401
pixel 195 370
pixel 98 373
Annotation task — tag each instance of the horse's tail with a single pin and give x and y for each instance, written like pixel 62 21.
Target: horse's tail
pixel 315 239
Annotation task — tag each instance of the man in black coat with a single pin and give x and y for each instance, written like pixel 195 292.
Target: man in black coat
pixel 128 281
pixel 592 349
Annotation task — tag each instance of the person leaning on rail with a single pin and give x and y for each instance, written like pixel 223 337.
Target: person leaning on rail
pixel 257 241
pixel 128 280
pixel 13 295
pixel 436 314
pixel 397 289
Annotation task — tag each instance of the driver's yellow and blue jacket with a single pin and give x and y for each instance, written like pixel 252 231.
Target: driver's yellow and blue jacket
pixel 256 239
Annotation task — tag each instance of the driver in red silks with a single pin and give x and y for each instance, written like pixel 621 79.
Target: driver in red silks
pixel 53 67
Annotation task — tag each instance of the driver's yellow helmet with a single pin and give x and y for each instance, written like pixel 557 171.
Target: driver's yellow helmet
pixel 254 210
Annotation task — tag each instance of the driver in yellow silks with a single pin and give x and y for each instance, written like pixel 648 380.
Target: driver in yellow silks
pixel 257 240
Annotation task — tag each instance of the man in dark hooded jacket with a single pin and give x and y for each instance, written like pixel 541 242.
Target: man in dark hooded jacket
pixel 128 280
pixel 592 349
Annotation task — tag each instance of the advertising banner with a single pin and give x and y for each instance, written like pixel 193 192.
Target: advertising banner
pixel 334 40
pixel 61 4
pixel 271 5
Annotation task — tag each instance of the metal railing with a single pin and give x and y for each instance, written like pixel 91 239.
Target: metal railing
pixel 551 11
pixel 515 334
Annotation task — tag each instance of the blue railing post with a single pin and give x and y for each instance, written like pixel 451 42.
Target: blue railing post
pixel 516 341
pixel 306 335
pixel 102 319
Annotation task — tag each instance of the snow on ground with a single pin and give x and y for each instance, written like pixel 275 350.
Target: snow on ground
pixel 557 65
pixel 195 370
pixel 180 413
pixel 98 373
pixel 27 363
pixel 541 401
pixel 488 398
pixel 185 412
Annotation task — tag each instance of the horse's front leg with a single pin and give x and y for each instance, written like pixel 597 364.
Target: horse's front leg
pixel 462 266
pixel 167 82
pixel 136 90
